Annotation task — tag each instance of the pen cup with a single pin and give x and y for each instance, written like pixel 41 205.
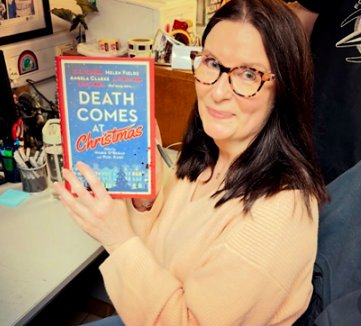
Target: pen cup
pixel 34 179
pixel 10 169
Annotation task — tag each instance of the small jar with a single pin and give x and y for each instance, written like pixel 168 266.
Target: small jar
pixel 53 149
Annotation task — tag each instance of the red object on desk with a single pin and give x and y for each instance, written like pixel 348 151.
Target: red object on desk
pixel 17 131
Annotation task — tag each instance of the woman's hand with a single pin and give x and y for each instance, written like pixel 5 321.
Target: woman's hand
pixel 103 218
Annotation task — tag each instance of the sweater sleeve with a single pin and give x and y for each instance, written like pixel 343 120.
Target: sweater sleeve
pixel 244 278
pixel 142 222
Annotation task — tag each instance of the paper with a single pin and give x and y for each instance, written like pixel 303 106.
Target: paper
pixel 13 198
pixel 181 56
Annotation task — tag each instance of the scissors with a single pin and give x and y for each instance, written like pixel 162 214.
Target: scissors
pixel 17 132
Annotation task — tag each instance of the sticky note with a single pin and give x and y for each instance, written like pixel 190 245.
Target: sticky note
pixel 13 197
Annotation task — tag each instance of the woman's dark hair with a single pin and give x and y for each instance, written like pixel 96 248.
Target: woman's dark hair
pixel 281 156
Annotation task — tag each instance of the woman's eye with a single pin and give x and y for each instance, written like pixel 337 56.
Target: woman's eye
pixel 211 62
pixel 247 74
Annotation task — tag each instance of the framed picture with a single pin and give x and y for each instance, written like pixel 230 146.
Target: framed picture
pixel 24 19
pixel 201 12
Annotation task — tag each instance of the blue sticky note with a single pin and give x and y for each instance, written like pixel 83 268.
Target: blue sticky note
pixel 13 197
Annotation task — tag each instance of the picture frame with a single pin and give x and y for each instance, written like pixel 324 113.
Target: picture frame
pixel 24 19
pixel 201 13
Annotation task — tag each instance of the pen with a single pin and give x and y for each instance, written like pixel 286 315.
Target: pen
pixel 164 155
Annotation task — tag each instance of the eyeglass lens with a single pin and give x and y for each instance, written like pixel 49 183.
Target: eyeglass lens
pixel 245 81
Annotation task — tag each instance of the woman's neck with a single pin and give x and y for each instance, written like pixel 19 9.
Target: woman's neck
pixel 229 151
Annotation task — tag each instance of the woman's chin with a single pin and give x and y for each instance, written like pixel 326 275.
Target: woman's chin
pixel 218 133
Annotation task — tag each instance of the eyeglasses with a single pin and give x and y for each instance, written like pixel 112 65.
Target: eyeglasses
pixel 245 81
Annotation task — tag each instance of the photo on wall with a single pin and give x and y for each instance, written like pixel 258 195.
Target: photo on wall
pixel 24 19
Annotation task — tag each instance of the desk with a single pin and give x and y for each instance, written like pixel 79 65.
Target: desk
pixel 42 250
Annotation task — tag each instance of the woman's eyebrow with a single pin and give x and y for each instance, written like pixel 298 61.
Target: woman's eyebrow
pixel 255 65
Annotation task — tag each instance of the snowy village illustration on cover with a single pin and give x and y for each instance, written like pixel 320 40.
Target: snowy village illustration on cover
pixel 107 120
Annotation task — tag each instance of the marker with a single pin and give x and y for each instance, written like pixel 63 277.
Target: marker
pixel 19 160
pixel 40 160
pixel 36 155
pixel 27 153
pixel 22 153
pixel 33 162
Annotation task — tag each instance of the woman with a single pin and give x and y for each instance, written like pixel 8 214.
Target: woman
pixel 231 238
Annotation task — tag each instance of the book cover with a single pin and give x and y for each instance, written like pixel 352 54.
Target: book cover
pixel 108 122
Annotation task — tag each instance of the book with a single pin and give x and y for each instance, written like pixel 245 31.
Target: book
pixel 107 120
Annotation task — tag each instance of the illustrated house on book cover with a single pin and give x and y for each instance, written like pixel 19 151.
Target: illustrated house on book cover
pixel 107 120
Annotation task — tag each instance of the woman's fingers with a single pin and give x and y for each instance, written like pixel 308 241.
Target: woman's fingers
pixel 95 184
pixel 71 203
pixel 77 187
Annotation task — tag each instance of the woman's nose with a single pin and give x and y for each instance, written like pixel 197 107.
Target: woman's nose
pixel 222 89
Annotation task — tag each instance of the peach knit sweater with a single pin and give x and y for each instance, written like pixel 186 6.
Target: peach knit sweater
pixel 191 264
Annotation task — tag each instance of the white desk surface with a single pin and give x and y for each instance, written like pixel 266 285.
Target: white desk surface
pixel 41 251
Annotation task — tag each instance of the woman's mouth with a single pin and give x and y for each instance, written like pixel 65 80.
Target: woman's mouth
pixel 219 114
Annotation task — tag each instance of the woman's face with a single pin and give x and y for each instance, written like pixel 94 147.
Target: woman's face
pixel 227 117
